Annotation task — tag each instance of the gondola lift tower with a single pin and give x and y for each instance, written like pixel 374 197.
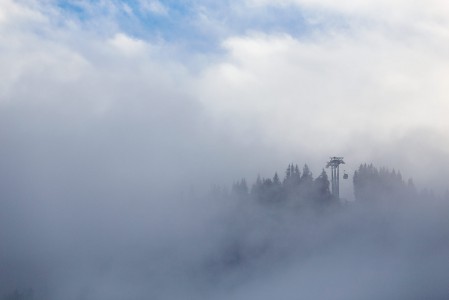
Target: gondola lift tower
pixel 334 164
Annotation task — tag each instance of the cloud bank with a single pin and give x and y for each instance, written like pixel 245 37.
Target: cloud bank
pixel 113 124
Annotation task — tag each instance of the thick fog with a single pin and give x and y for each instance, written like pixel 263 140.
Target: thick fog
pixel 119 145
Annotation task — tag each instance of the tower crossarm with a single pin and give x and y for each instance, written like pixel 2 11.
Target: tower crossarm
pixel 335 161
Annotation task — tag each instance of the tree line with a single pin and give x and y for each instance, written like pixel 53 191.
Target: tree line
pixel 299 188
pixel 296 188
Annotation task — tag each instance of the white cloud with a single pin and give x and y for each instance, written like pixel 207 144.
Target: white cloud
pixel 394 14
pixel 372 7
pixel 94 123
pixel 328 95
pixel 12 12
pixel 127 9
pixel 153 6
pixel 350 91
pixel 128 45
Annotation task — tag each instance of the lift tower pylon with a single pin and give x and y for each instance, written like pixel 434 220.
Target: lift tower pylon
pixel 334 164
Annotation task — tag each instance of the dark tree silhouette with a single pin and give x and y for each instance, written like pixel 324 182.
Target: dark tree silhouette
pixel 321 189
pixel 374 186
pixel 296 190
pixel 240 188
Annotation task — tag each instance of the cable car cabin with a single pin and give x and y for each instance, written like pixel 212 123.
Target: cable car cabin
pixel 345 176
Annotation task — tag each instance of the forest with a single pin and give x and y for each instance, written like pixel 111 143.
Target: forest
pixel 289 236
pixel 299 189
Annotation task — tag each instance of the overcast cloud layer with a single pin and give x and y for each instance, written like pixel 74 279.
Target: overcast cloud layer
pixel 107 105
pixel 355 81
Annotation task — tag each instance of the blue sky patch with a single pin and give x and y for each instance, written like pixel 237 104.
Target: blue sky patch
pixel 193 24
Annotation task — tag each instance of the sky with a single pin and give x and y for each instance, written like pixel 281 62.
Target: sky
pixel 232 89
pixel 116 115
